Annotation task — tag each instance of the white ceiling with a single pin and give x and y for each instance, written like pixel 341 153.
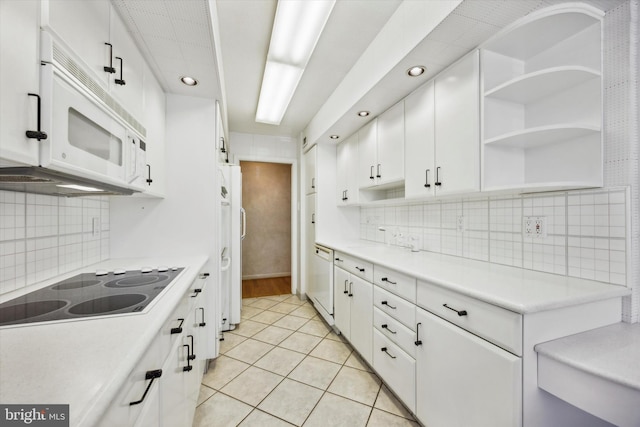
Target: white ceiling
pixel 177 38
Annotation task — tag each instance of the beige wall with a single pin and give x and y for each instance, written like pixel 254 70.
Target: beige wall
pixel 266 196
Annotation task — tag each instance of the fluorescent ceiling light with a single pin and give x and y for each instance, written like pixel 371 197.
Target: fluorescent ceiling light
pixel 79 187
pixel 296 30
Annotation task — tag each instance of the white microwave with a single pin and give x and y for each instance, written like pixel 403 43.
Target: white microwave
pixel 88 132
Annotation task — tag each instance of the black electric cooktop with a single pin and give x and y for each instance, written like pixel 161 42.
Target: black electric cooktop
pixel 89 294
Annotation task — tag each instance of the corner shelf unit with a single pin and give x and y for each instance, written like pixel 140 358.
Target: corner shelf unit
pixel 541 83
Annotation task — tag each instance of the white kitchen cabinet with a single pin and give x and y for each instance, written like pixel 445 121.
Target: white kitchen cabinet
pixel 310 176
pixel 20 59
pixel 347 171
pixel 542 102
pixel 367 154
pixel 308 251
pixel 457 127
pixel 463 380
pixel 353 310
pixel 419 117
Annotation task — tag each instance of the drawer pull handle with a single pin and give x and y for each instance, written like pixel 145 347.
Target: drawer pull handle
pixel 384 279
pixel 418 340
pixel 150 375
pixel 385 326
pixel 177 330
pixel 388 305
pixel 196 292
pixel 460 312
pixel 339 260
pixel 361 270
pixel 384 349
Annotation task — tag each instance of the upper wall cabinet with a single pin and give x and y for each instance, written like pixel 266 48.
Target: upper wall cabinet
pixel 347 171
pixel 419 149
pixel 542 102
pixel 20 59
pixel 310 171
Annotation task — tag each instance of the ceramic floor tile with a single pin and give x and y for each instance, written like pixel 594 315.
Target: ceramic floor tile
pixel 334 410
pixel 248 301
pixel 248 328
pixel 278 298
pixel 355 361
pixel 267 317
pixel 336 337
pixel 272 335
pixel 280 361
pixel 388 402
pixel 300 342
pixel 249 351
pixel 315 327
pixel 230 340
pixel 252 385
pixel 333 351
pixel 357 385
pixel 258 418
pixel 315 372
pixel 384 419
pixel 263 303
pixel 221 411
pixel 249 312
pixel 291 401
pixel 307 312
pixel 222 370
pixel 284 308
pixel 294 299
pixel 291 322
pixel 204 394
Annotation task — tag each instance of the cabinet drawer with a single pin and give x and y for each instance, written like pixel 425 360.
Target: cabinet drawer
pixel 395 331
pixel 497 325
pixel 395 306
pixel 397 369
pixel 397 283
pixel 354 266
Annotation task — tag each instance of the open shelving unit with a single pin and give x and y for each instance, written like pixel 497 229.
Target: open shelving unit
pixel 541 85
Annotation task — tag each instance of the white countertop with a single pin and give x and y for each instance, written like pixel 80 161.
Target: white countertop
pixel 516 289
pixel 611 353
pixel 83 363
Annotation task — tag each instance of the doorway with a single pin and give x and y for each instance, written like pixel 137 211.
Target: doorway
pixel 266 249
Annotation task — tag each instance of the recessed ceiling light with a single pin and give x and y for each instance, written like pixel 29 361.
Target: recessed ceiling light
pixel 363 113
pixel 416 71
pixel 189 81
pixel 334 136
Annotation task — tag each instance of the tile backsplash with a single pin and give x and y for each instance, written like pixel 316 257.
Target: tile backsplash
pixel 584 232
pixel 44 236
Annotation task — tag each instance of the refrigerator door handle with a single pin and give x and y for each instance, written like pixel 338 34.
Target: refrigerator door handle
pixel 243 213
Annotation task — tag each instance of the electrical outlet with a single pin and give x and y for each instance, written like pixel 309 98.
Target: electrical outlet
pixel 461 224
pixel 535 227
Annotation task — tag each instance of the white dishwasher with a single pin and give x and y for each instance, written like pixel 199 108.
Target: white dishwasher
pixel 320 289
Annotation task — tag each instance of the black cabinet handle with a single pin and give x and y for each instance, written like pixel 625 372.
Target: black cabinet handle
pixel 438 183
pixel 345 286
pixel 384 279
pixel 385 326
pixel 346 194
pixel 339 260
pixel 177 330
pixel 313 218
pixel 460 312
pixel 150 375
pixel 388 305
pixel 418 340
pixel 120 81
pixel 223 149
pixel 361 270
pixel 196 292
pixel 426 179
pixel 149 180
pixel 378 170
pixel 313 183
pixel 371 173
pixel 188 367
pixel 192 356
pixel 36 134
pixel 204 275
pixel 350 291
pixel 384 349
pixel 203 323
pixel 110 68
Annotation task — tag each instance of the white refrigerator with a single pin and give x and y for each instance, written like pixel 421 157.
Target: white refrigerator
pixel 232 229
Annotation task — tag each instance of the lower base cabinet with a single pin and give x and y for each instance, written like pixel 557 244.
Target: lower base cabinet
pixel 463 380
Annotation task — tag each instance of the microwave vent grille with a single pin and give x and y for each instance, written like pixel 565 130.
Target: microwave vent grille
pixel 82 77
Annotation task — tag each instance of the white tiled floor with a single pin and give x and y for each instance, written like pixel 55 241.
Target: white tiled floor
pixel 284 366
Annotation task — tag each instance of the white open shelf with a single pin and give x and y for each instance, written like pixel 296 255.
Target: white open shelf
pixel 542 135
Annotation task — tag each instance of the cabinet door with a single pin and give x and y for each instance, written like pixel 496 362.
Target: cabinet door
pixel 310 171
pixel 390 165
pixel 310 236
pixel 367 154
pixel 84 28
pixel 419 142
pixel 457 127
pixel 362 317
pixel 341 302
pixel 463 380
pixel 153 119
pixel 20 61
pixel 346 173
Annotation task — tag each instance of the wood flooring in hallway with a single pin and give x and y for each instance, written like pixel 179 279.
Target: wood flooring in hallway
pixel 254 288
